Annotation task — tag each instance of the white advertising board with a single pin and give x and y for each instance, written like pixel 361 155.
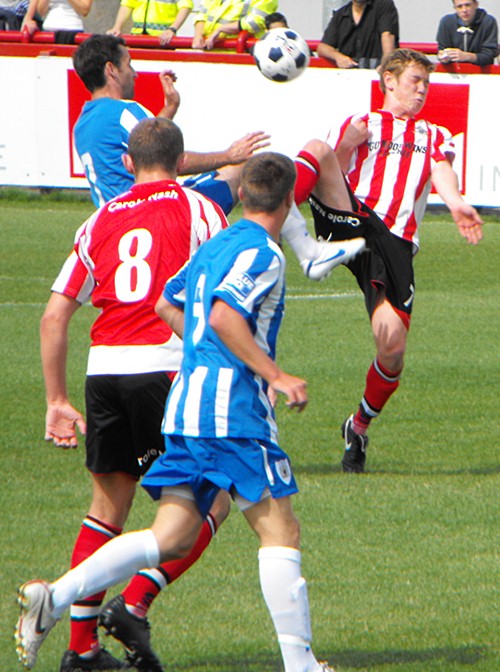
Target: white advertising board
pixel 41 97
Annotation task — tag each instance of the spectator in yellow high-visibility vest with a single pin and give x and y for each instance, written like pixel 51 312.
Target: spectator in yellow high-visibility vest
pixel 152 17
pixel 218 19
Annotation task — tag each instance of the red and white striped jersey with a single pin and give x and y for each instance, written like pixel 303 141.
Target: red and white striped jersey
pixel 123 256
pixel 391 172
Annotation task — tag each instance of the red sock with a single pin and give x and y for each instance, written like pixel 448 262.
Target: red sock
pixel 83 625
pixel 307 175
pixel 145 586
pixel 380 386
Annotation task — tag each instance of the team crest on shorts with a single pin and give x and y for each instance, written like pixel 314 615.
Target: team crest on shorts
pixel 284 471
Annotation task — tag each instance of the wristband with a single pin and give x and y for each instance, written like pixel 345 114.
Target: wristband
pixel 174 30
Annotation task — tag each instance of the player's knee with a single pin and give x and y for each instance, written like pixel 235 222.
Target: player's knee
pixel 319 149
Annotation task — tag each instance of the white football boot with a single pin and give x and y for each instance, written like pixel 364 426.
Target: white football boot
pixel 35 621
pixel 330 256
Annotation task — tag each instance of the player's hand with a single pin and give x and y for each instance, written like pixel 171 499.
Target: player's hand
pixel 469 222
pixel 114 31
pixel 172 96
pixel 295 390
pixel 356 133
pixel 272 395
pixel 61 421
pixel 241 150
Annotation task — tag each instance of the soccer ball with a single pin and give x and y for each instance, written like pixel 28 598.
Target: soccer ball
pixel 281 55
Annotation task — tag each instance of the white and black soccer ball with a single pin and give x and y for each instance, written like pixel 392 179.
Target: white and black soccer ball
pixel 281 55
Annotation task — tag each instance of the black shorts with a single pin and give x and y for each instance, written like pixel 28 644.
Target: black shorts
pixel 386 265
pixel 124 416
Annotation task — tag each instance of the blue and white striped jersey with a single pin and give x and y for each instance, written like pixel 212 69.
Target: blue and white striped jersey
pixel 215 394
pixel 101 138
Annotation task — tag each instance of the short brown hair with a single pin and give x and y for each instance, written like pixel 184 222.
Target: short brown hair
pixel 156 142
pixel 398 60
pixel 266 180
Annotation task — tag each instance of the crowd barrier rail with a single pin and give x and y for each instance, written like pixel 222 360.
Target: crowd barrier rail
pixel 232 50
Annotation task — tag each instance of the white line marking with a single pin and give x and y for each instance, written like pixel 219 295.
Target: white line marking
pixel 289 297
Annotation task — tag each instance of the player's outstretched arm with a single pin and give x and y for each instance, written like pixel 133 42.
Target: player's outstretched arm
pixel 235 333
pixel 238 152
pixel 61 419
pixel 466 217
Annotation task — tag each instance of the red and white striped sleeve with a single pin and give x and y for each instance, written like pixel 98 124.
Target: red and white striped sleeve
pixel 207 219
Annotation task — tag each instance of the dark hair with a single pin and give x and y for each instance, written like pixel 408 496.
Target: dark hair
pixel 398 60
pixel 156 142
pixel 274 17
pixel 266 180
pixel 90 59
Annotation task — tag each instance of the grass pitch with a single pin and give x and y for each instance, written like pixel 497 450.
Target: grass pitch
pixel 402 562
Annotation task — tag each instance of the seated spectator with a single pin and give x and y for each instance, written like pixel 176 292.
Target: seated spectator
pixel 63 17
pixel 360 33
pixel 152 17
pixel 12 13
pixel 217 21
pixel 275 20
pixel 470 35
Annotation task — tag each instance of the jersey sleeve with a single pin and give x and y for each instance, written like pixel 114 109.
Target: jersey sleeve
pixel 443 147
pixel 254 19
pixel 388 20
pixel 74 280
pixel 334 136
pixel 131 115
pixel 330 36
pixel 207 218
pixel 250 279
pixel 175 288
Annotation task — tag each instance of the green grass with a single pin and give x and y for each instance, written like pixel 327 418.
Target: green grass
pixel 402 563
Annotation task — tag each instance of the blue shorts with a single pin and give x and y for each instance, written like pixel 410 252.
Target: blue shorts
pixel 247 467
pixel 215 190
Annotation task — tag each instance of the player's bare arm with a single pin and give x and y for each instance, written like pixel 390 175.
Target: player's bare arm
pixel 172 315
pixel 62 419
pixel 172 96
pixel 235 333
pixel 465 216
pixel 355 134
pixel 238 152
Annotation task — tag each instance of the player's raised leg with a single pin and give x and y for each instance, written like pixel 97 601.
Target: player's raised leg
pixel 318 258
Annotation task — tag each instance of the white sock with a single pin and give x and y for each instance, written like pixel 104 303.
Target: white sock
pixel 294 231
pixel 285 593
pixel 113 563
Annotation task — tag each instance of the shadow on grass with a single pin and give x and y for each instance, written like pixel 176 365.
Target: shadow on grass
pixel 465 655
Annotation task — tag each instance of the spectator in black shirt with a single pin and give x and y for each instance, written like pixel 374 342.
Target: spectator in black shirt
pixel 360 33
